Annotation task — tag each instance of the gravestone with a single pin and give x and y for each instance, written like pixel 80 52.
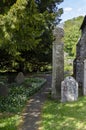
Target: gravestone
pixel 69 89
pixel 20 78
pixel 58 63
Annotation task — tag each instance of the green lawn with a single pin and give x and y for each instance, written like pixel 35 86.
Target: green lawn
pixel 64 116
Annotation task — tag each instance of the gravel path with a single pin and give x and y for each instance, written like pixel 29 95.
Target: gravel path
pixel 32 113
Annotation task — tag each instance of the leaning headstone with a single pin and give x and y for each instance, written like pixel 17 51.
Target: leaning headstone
pixel 69 89
pixel 3 90
pixel 58 63
pixel 20 78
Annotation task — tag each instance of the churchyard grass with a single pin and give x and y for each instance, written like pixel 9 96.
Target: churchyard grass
pixel 12 105
pixel 9 122
pixel 64 116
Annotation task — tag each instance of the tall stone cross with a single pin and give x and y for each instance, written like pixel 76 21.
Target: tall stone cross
pixel 58 63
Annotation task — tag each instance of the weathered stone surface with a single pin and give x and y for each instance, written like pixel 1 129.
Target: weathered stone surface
pixel 80 55
pixel 84 79
pixel 3 90
pixel 58 63
pixel 79 69
pixel 20 78
pixel 69 89
pixel 58 34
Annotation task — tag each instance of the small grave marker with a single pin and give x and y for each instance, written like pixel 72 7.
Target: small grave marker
pixel 20 78
pixel 69 89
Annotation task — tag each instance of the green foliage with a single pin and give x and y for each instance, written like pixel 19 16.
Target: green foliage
pixel 11 106
pixel 20 28
pixel 19 94
pixel 72 34
pixel 9 122
pixel 64 116
pixel 52 8
pixel 26 26
pixel 5 5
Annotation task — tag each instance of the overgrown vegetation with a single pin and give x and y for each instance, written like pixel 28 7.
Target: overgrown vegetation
pixel 12 105
pixel 64 116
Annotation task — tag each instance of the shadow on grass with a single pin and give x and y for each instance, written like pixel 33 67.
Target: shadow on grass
pixel 64 116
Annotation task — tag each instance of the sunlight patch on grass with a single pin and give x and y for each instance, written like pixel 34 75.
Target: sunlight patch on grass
pixel 9 123
pixel 64 116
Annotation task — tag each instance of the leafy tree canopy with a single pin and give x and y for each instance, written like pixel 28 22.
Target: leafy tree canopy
pixel 26 25
pixel 20 27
